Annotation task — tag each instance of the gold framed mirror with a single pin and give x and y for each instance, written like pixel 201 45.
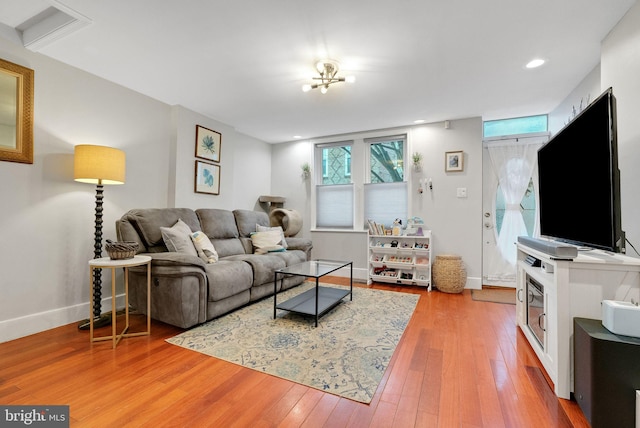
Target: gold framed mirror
pixel 16 112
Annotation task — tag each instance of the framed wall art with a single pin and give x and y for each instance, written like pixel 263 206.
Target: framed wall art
pixel 208 144
pixel 454 161
pixel 207 178
pixel 16 114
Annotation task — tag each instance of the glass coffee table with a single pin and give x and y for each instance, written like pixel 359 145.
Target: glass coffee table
pixel 318 300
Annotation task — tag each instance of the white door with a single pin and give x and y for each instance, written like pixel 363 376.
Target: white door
pixel 498 264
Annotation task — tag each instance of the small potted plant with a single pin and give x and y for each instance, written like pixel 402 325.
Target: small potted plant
pixel 306 170
pixel 417 161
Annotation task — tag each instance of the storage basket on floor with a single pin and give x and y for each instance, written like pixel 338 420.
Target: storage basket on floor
pixel 449 274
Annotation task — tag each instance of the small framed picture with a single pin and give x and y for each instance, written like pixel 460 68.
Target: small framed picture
pixel 207 178
pixel 208 144
pixel 454 161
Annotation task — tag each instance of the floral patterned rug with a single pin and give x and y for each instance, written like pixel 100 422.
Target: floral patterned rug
pixel 346 355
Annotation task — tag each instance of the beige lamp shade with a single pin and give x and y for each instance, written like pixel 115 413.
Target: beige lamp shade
pixel 98 165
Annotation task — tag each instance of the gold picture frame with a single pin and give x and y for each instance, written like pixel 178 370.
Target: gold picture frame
pixel 16 116
pixel 208 144
pixel 454 161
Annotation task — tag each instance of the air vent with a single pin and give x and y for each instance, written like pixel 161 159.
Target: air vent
pixel 50 25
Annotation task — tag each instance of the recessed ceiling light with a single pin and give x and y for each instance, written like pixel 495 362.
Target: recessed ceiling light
pixel 535 63
pixel 418 121
pixel 297 137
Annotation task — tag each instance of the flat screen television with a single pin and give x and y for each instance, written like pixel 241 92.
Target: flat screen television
pixel 579 180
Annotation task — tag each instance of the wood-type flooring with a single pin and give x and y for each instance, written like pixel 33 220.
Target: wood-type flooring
pixel 460 363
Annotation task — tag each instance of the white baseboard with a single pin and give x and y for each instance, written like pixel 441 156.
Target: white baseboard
pixel 473 283
pixel 35 323
pixel 359 274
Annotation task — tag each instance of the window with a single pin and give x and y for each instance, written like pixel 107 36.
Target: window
pixel 336 163
pixel 378 164
pixel 385 194
pixel 334 193
pixel 515 126
pixel 386 159
pixel 527 208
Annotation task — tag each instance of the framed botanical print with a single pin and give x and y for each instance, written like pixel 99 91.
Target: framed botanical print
pixel 207 178
pixel 454 161
pixel 208 144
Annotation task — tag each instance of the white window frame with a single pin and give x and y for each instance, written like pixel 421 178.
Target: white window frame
pixel 370 188
pixel 321 166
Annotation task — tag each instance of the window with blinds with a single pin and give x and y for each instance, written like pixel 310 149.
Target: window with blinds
pixel 334 193
pixel 385 193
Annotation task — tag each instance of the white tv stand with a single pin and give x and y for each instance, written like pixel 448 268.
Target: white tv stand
pixel 574 289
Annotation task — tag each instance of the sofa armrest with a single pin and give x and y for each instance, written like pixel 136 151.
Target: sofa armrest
pixel 171 258
pixel 303 244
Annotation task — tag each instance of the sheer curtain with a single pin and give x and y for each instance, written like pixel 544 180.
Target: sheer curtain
pixel 513 163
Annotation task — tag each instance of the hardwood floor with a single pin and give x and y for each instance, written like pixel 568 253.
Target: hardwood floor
pixel 460 363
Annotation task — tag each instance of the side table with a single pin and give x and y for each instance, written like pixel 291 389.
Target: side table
pixel 104 263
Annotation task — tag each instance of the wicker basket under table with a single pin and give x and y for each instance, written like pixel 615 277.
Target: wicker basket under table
pixel 449 274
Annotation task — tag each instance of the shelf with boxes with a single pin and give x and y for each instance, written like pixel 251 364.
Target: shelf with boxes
pixel 404 260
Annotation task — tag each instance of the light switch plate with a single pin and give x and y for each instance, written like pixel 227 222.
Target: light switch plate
pixel 461 192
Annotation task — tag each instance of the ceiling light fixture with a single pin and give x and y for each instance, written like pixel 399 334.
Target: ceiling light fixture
pixel 535 63
pixel 328 70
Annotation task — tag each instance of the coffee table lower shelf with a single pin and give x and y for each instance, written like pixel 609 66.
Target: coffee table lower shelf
pixel 305 303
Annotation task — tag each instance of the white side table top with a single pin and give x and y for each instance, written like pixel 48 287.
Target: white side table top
pixel 108 262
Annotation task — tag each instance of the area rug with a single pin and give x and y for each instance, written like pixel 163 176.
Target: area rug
pixel 346 355
pixel 495 295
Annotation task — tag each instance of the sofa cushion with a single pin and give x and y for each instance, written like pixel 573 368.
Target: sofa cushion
pixel 227 278
pixel 283 241
pixel 148 221
pixel 177 238
pixel 220 226
pixel 204 247
pixel 246 221
pixel 267 241
pixel 262 265
pixel 292 257
pixel 217 223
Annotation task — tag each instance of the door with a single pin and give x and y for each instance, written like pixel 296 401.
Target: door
pixel 500 235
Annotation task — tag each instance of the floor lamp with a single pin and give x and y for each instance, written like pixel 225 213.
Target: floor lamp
pixel 98 165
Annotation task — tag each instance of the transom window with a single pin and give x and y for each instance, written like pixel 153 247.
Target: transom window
pixel 515 126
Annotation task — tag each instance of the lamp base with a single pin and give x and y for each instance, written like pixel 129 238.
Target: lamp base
pixel 102 321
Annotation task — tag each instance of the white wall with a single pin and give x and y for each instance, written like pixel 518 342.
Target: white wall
pixel 585 92
pixel 456 222
pixel 47 219
pixel 245 166
pixel 620 68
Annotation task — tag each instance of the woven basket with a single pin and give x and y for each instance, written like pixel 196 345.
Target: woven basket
pixel 121 250
pixel 449 274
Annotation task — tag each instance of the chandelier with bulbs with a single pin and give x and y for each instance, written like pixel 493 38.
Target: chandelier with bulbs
pixel 328 70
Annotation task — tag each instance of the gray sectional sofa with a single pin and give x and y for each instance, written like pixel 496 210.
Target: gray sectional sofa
pixel 186 290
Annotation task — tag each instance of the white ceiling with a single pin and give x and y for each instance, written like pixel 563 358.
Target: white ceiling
pixel 243 62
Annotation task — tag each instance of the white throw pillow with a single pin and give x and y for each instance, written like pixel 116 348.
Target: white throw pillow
pixel 266 242
pixel 178 238
pixel 205 248
pixel 267 228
